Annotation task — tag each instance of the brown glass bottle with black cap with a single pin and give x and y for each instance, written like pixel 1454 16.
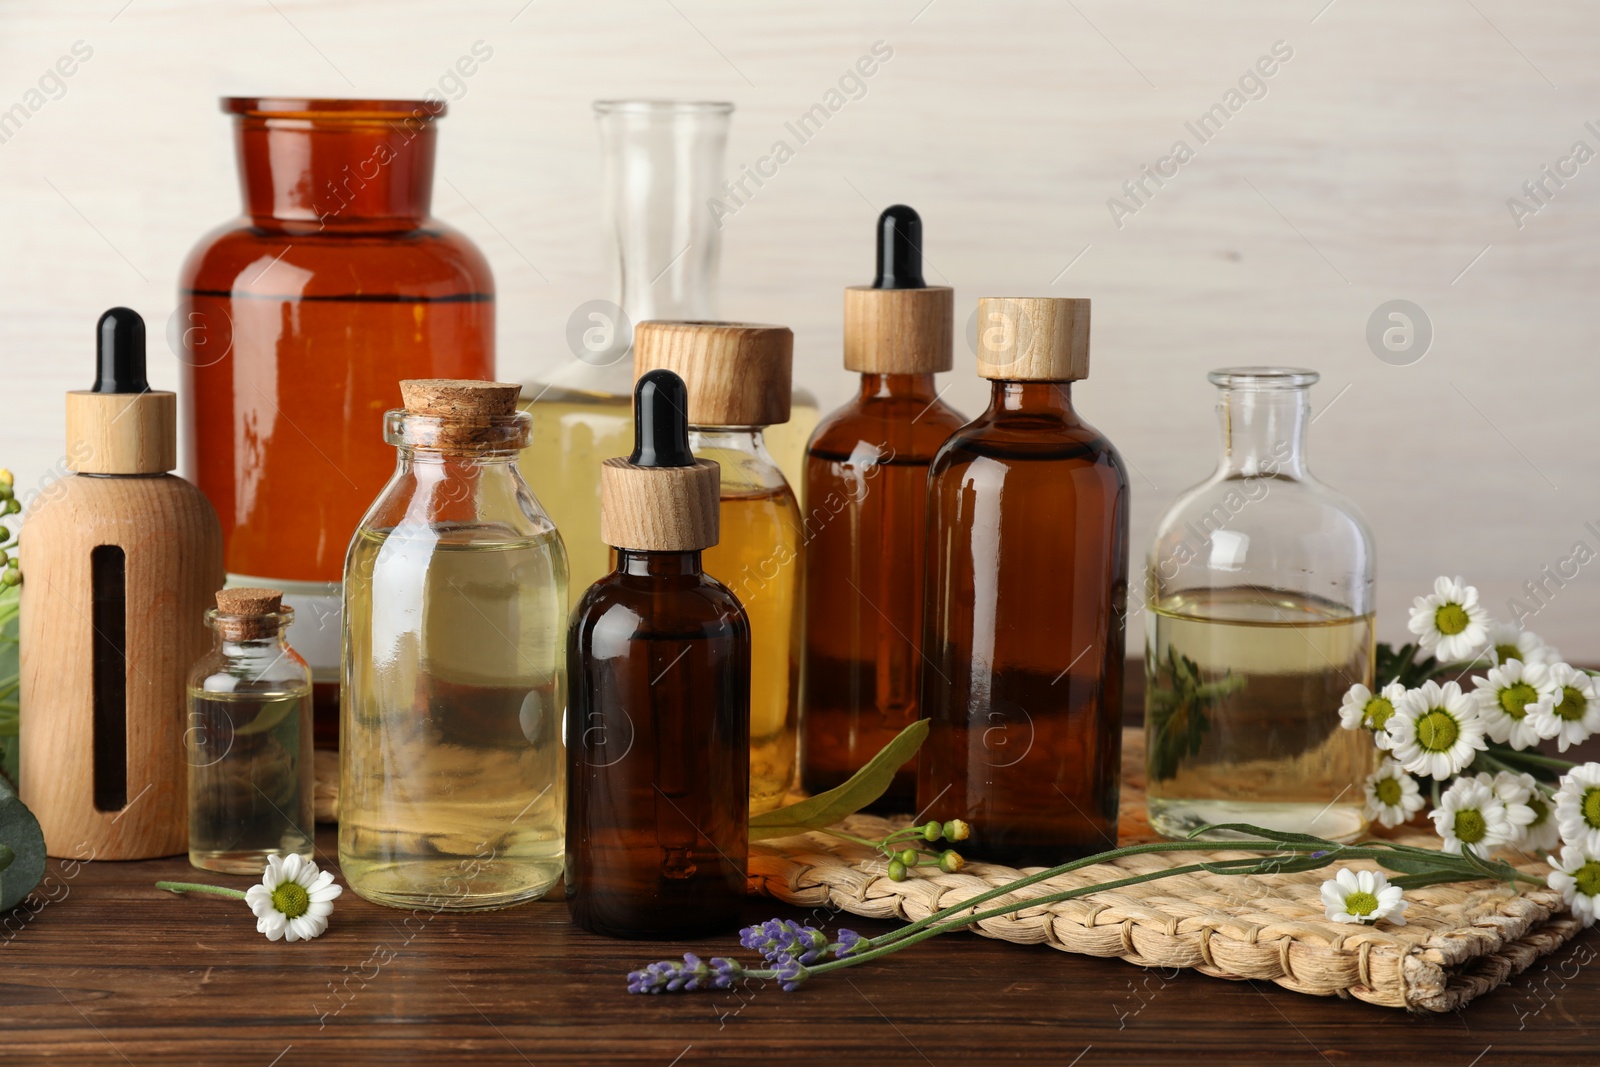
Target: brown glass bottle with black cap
pixel 865 518
pixel 658 718
pixel 1027 589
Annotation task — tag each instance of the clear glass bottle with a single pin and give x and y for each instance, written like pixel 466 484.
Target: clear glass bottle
pixel 1027 588
pixel 1259 616
pixel 452 791
pixel 738 380
pixel 248 739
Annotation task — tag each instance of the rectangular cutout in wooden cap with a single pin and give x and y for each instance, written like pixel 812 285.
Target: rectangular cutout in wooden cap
pixel 738 373
pixel 1033 339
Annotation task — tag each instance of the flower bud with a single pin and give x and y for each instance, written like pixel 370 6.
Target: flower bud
pixel 957 830
pixel 897 871
pixel 950 861
pixel 909 857
pixel 11 577
pixel 7 479
pixel 932 831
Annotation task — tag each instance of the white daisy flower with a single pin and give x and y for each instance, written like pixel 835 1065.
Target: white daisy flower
pixel 1450 623
pixel 1575 713
pixel 1435 730
pixel 1508 641
pixel 294 899
pixel 1507 696
pixel 1364 708
pixel 1544 833
pixel 1577 877
pixel 1577 802
pixel 1392 794
pixel 1363 897
pixel 1516 792
pixel 1470 814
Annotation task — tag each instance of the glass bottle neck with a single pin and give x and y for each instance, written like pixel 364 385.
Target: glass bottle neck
pixel 640 564
pixel 745 439
pixel 1263 431
pixel 898 387
pixel 1031 398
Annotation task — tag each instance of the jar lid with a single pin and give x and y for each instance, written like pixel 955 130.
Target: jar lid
pixel 250 612
pixel 1037 339
pixel 459 414
pixel 738 373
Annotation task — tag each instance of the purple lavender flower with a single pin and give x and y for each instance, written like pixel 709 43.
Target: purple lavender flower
pixel 790 973
pixel 668 976
pixel 781 939
pixel 850 942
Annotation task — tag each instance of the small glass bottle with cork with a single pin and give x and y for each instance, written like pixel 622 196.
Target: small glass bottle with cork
pixel 248 738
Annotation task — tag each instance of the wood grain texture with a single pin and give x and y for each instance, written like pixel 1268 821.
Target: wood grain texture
pixel 1039 339
pixel 738 373
pixel 660 509
pixel 898 331
pixel 122 433
pixel 172 549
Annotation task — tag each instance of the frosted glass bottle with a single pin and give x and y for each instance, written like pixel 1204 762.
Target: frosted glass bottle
pixel 1258 618
pixel 452 780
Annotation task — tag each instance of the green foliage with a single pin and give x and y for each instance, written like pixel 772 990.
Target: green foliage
pixel 865 786
pixel 20 834
pixel 1177 704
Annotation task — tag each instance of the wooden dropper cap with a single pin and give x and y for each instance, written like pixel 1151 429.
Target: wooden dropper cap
pixel 737 373
pixel 898 324
pixel 660 499
pixel 121 426
pixel 248 612
pixel 1033 339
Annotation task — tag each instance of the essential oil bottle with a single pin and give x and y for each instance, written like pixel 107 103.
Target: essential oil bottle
pixel 248 739
pixel 865 519
pixel 451 787
pixel 658 725
pixel 1027 590
pixel 738 380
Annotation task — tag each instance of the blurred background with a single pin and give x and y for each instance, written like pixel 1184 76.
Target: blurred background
pixel 1425 152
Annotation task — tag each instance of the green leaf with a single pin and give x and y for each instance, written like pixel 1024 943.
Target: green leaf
pixel 20 833
pixel 865 786
pixel 6 856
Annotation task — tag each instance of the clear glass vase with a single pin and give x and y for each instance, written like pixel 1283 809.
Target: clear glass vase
pixel 1259 616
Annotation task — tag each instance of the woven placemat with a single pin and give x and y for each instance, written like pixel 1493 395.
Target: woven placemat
pixel 1459 941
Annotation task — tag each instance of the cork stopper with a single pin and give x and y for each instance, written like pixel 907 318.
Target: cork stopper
pixel 898 324
pixel 246 613
pixel 460 414
pixel 738 373
pixel 121 425
pixel 1038 339
pixel 660 498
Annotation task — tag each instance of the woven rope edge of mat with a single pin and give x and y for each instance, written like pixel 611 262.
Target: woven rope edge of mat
pixel 1460 941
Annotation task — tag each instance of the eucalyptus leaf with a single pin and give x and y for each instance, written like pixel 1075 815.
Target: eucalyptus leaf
pixel 20 833
pixel 6 856
pixel 865 786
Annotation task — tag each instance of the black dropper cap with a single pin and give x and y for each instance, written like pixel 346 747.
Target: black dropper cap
pixel 899 249
pixel 119 353
pixel 661 421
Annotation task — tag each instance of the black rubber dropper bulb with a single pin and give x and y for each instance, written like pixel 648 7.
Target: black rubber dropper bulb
pixel 119 353
pixel 661 421
pixel 899 249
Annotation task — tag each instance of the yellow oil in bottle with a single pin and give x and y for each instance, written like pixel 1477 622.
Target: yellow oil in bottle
pixel 452 791
pixel 1242 712
pixel 758 557
pixel 574 431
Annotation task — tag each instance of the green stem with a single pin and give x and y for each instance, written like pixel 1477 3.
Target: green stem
pixel 1513 756
pixel 876 846
pixel 191 887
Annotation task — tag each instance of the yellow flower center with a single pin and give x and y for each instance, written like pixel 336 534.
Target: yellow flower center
pixel 1505 652
pixel 1359 903
pixel 1573 704
pixel 1541 811
pixel 1591 808
pixel 1471 826
pixel 1387 791
pixel 291 899
pixel 1377 712
pixel 1515 698
pixel 1437 731
pixel 1588 878
pixel 1450 619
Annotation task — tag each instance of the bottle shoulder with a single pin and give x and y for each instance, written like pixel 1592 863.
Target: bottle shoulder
pixel 1021 438
pixel 907 428
pixel 622 607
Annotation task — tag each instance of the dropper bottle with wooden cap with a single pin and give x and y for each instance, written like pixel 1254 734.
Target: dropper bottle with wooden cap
pixel 658 727
pixel 866 519
pixel 248 738
pixel 738 380
pixel 119 560
pixel 451 785
pixel 1027 592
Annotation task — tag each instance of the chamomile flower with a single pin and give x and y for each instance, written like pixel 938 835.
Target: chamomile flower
pixel 1469 814
pixel 1364 708
pixel 1363 897
pixel 1516 792
pixel 1577 803
pixel 1544 833
pixel 1435 730
pixel 294 899
pixel 1575 712
pixel 1449 622
pixel 1392 794
pixel 1508 641
pixel 1577 878
pixel 1506 699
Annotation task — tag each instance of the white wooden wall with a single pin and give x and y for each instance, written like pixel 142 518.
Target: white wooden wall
pixel 1377 166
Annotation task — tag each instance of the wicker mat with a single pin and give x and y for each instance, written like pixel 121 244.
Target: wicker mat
pixel 1460 941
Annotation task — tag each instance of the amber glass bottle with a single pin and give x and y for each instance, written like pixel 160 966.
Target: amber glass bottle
pixel 865 519
pixel 658 722
pixel 298 322
pixel 738 380
pixel 1027 588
